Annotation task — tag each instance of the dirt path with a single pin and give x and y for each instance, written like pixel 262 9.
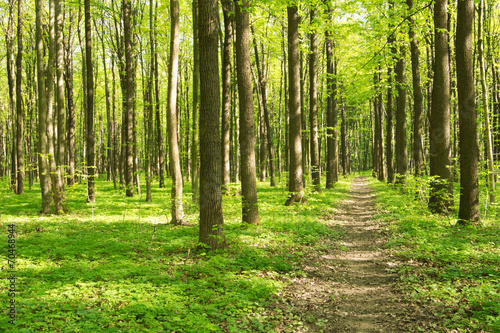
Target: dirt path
pixel 351 289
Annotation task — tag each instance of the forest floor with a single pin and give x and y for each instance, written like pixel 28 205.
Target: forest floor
pixel 352 288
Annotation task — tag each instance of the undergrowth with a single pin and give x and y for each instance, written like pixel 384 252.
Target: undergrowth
pixel 118 266
pixel 451 270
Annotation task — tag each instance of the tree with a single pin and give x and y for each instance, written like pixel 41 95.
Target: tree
pixel 90 106
pixel 173 145
pixel 195 140
pixel 313 108
pixel 295 173
pixel 391 41
pixel 227 7
pixel 19 100
pixel 469 151
pixel 211 232
pixel 439 124
pixel 61 142
pixel 129 111
pixel 250 209
pixel 400 146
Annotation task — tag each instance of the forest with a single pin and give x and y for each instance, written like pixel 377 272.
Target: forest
pixel 249 166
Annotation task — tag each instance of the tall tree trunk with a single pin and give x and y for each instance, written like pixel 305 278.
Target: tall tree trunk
pixel 211 216
pixel 114 129
pixel 129 111
pixel 391 41
pixel 70 121
pixel 90 106
pixel 9 41
pixel 417 96
pixel 486 111
pixel 295 173
pixel 173 144
pixel 331 114
pixel 250 209
pixel 42 114
pixel 313 107
pixel 150 105
pixel 109 125
pixel 400 146
pixel 469 151
pixel 343 142
pixel 227 7
pixel 19 99
pixel 439 125
pixel 61 130
pixel 195 141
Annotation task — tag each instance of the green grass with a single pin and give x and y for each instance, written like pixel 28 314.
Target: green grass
pixel 451 269
pixel 116 266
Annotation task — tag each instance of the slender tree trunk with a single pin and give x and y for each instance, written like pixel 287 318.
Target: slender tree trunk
pixel 391 41
pixel 469 151
pixel 61 128
pixel 227 7
pixel 250 209
pixel 19 99
pixel 129 111
pixel 109 125
pixel 400 147
pixel 114 129
pixel 296 181
pixel 486 110
pixel 42 114
pixel 211 216
pixel 195 141
pixel 175 161
pixel 343 142
pixel 440 152
pixel 313 108
pixel 150 105
pixel 417 96
pixel 70 121
pixel 9 41
pixel 90 105
pixel 331 115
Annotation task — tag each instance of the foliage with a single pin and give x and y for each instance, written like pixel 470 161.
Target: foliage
pixel 117 266
pixel 452 270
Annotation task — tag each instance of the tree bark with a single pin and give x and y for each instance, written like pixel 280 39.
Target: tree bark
pixel 19 101
pixel 417 96
pixel 61 129
pixel 389 152
pixel 70 121
pixel 313 108
pixel 90 106
pixel 295 173
pixel 469 151
pixel 250 209
pixel 129 111
pixel 400 146
pixel 172 125
pixel 227 7
pixel 195 141
pixel 439 124
pixel 331 114
pixel 211 217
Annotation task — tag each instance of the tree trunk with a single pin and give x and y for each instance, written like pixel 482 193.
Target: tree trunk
pixel 400 147
pixel 61 129
pixel 227 7
pixel 19 99
pixel 391 41
pixel 129 111
pixel 331 114
pixel 486 111
pixel 250 209
pixel 211 217
pixel 195 141
pixel 70 121
pixel 173 144
pixel 42 114
pixel 90 106
pixel 439 124
pixel 295 173
pixel 343 142
pixel 313 108
pixel 469 151
pixel 417 96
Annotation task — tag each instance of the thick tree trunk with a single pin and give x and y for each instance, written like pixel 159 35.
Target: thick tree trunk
pixel 313 108
pixel 19 99
pixel 211 216
pixel 42 114
pixel 439 124
pixel 250 209
pixel 227 7
pixel 469 151
pixel 400 146
pixel 417 96
pixel 295 173
pixel 129 110
pixel 90 106
pixel 173 144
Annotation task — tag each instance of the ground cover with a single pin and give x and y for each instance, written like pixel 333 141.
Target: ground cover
pixel 116 266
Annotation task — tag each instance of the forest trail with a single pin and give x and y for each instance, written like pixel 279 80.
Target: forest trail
pixel 351 289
